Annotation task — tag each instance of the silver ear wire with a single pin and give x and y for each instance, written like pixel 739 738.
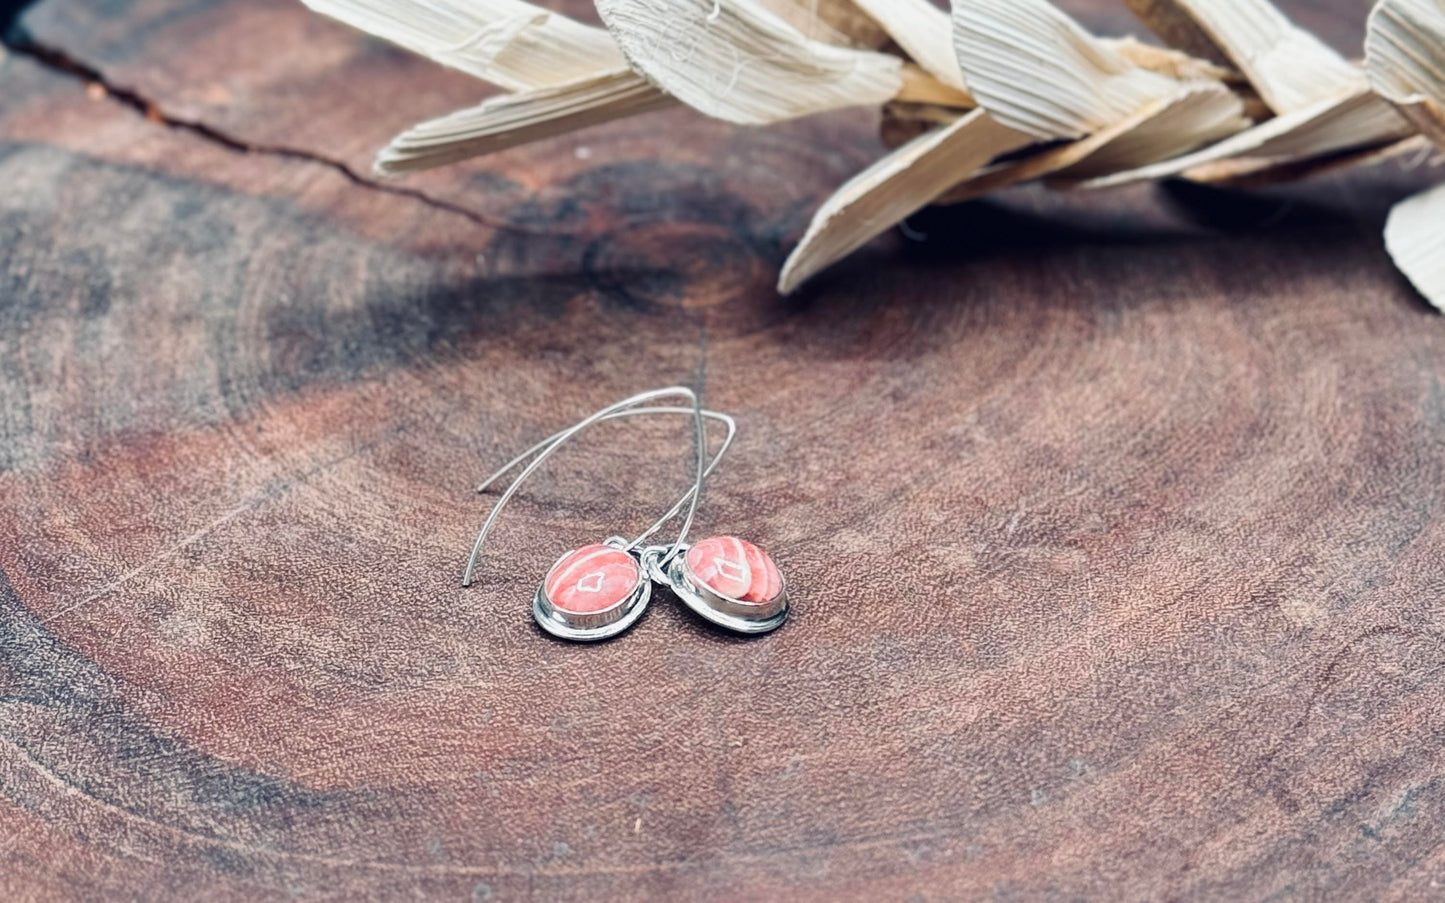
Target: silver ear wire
pixel 726 419
pixel 626 407
pixel 732 431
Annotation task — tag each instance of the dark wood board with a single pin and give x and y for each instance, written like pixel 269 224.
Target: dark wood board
pixel 1113 520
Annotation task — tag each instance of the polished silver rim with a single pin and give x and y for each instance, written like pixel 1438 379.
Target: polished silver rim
pixel 592 625
pixel 736 615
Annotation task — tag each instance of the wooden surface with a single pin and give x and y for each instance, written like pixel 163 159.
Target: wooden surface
pixel 1114 521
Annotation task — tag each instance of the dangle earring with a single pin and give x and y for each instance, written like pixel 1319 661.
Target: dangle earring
pixel 725 580
pixel 600 590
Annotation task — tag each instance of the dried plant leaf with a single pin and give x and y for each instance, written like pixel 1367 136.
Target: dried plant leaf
pixel 1324 103
pixel 1038 71
pixel 1415 238
pixel 1289 67
pixel 1175 64
pixel 1160 128
pixel 1331 126
pixel 1253 172
pixel 897 185
pixel 1099 112
pixel 1171 23
pixel 1201 113
pixel 921 87
pixel 507 42
pixel 1405 59
pixel 739 62
pixel 1181 66
pixel 512 119
pixel 923 31
pixel 838 22
pixel 1045 160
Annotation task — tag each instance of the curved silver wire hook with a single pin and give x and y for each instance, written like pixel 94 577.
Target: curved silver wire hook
pixel 561 439
pixel 725 419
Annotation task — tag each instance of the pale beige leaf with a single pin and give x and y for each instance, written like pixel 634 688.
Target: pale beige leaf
pixel 921 87
pixel 1291 68
pixel 900 183
pixel 1043 160
pixel 1415 238
pixel 1201 113
pixel 509 120
pixel 1252 172
pixel 735 60
pixel 1176 64
pixel 1038 71
pixel 1171 23
pixel 1405 58
pixel 507 42
pixel 1331 126
pixel 1183 67
pixel 923 31
pixel 838 22
pixel 1159 129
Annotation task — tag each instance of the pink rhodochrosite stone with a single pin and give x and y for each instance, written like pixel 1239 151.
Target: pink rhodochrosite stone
pixel 735 568
pixel 590 579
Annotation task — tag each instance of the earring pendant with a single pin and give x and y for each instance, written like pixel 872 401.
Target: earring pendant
pixel 725 580
pixel 592 593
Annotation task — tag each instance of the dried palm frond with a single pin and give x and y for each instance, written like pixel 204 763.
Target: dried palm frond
pixel 1000 92
pixel 569 74
pixel 897 185
pixel 508 120
pixel 1291 68
pixel 1405 56
pixel 839 22
pixel 1323 102
pixel 1141 116
pixel 1009 48
pixel 1415 238
pixel 923 31
pixel 1331 126
pixel 740 62
pixel 510 43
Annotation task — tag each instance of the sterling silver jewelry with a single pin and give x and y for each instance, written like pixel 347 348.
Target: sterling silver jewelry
pixel 600 590
pixel 725 580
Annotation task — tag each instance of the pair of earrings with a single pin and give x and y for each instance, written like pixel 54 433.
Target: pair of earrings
pixel 600 590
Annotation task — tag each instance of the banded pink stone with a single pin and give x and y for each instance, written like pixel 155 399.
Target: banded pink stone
pixel 735 568
pixel 590 579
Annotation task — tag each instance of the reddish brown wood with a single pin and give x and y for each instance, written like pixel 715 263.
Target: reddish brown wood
pixel 1112 521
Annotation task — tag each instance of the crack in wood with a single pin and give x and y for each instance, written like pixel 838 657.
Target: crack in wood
pixel 14 37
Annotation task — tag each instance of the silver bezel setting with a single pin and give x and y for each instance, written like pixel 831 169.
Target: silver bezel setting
pixel 710 605
pixel 586 627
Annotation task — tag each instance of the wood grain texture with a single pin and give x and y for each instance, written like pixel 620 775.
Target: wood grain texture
pixel 1113 522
